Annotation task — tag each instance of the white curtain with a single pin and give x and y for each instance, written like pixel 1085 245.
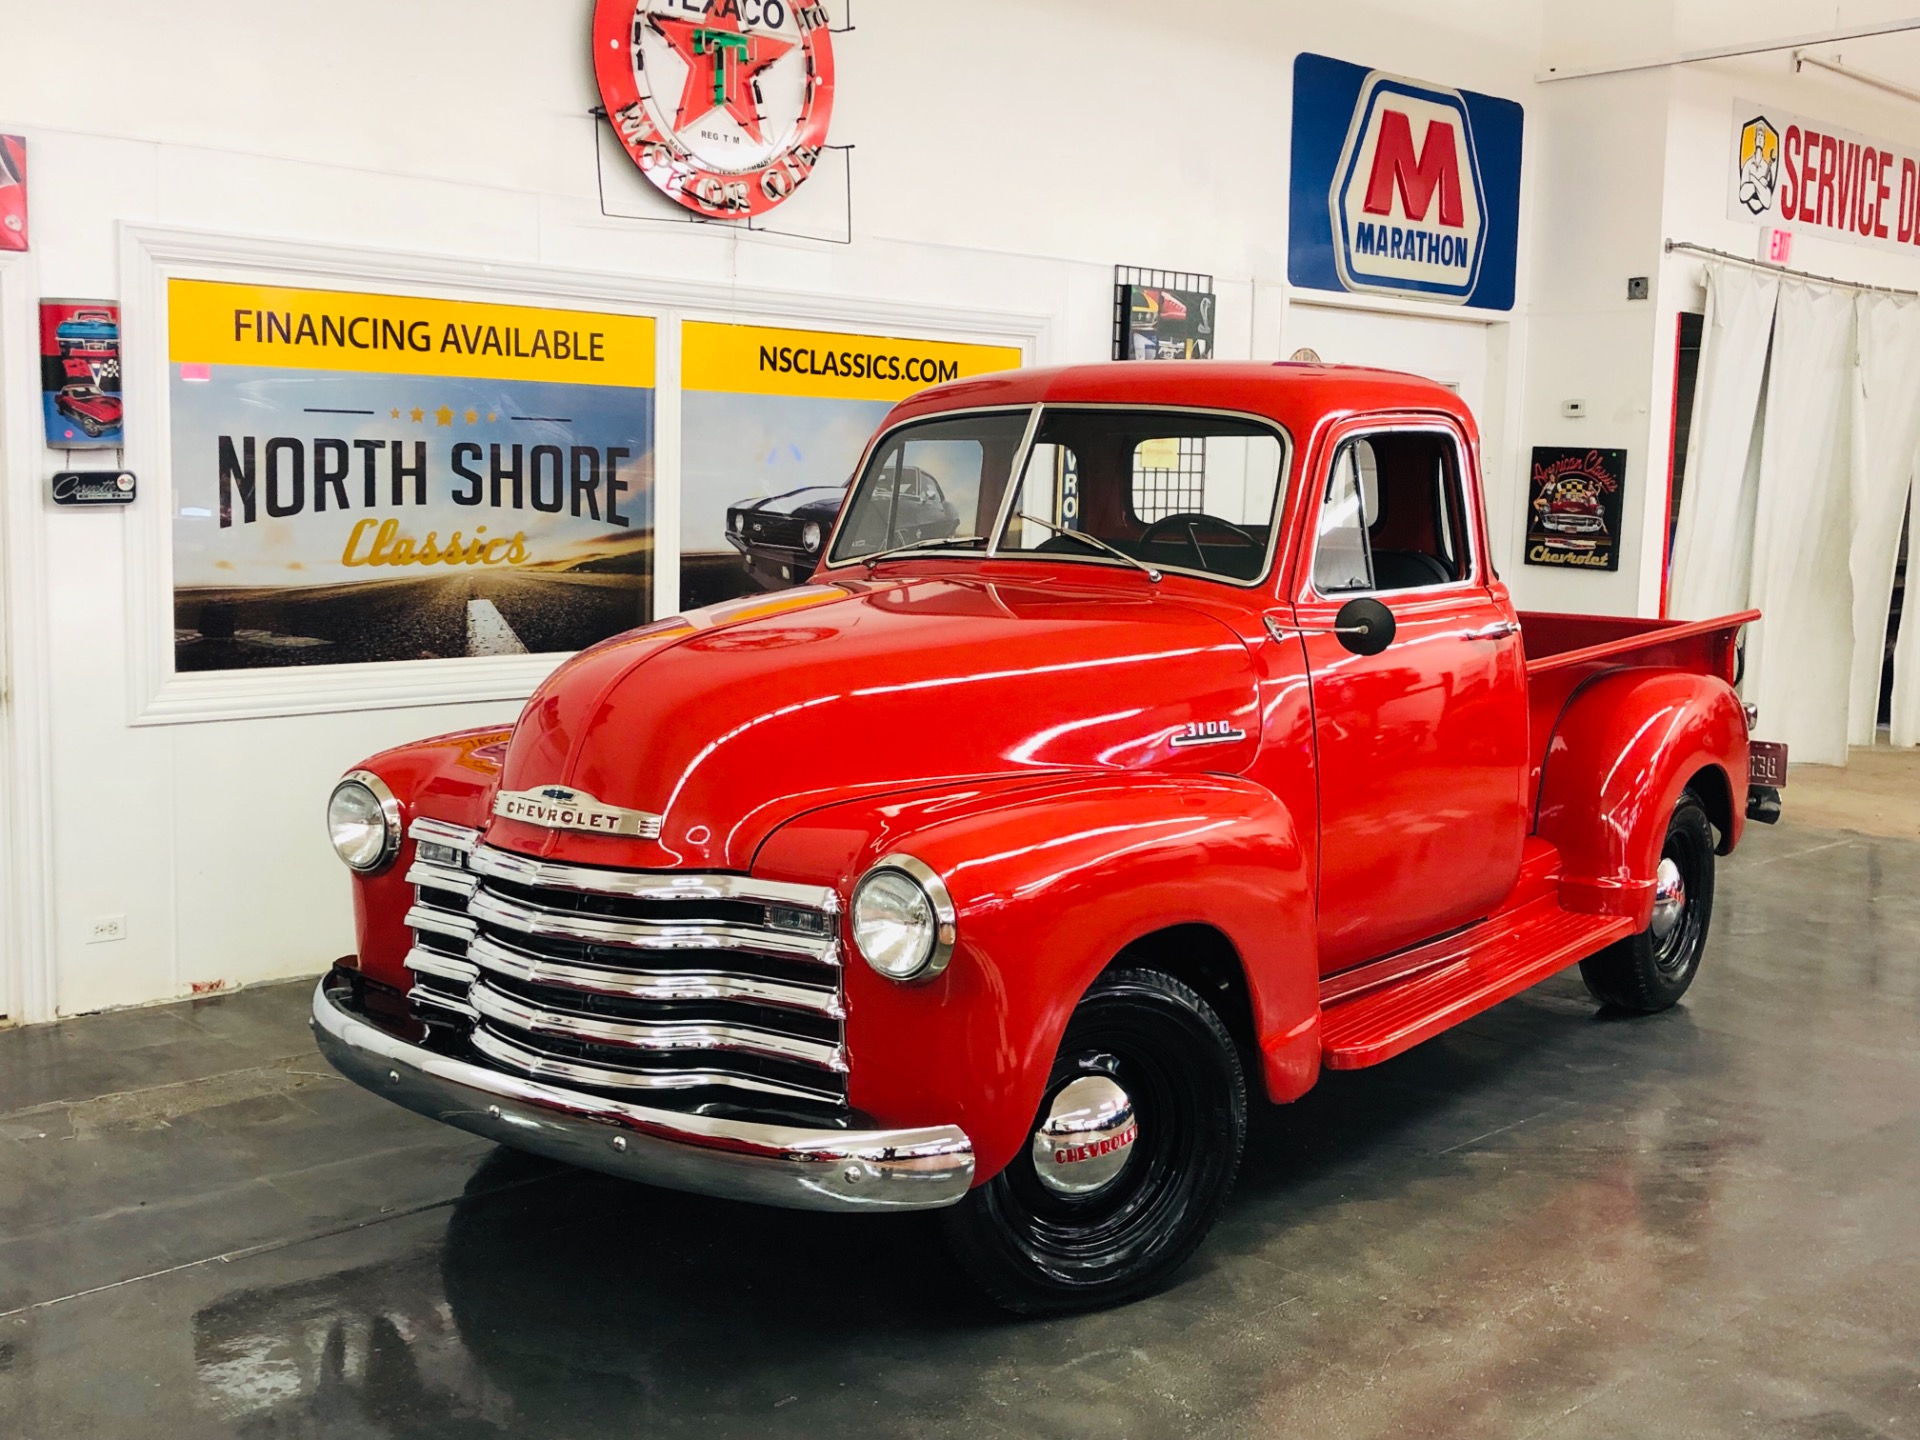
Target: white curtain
pixel 1799 657
pixel 1886 438
pixel 1713 542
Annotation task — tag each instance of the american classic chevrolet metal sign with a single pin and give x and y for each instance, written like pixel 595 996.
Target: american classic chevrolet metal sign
pixel 1402 187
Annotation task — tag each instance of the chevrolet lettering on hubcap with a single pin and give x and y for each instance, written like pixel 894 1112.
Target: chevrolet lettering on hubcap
pixel 559 808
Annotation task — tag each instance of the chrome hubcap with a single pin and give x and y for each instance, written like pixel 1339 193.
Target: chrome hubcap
pixel 1669 899
pixel 1087 1137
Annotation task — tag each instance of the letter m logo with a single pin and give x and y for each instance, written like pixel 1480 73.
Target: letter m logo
pixel 1416 178
pixel 1408 207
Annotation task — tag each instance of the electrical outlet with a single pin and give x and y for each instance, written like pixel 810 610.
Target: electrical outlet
pixel 106 927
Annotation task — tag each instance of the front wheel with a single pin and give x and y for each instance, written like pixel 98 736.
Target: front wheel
pixel 1652 970
pixel 1131 1157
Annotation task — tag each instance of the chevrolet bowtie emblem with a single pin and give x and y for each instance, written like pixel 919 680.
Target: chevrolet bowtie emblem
pixel 558 807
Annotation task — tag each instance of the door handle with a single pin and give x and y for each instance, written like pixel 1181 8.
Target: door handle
pixel 1499 630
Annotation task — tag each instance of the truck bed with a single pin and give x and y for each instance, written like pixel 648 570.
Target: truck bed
pixel 1565 651
pixel 1586 642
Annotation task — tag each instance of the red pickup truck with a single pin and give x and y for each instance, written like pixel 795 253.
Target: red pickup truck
pixel 1203 750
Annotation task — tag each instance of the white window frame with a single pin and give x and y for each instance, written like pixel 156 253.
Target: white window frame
pixel 151 256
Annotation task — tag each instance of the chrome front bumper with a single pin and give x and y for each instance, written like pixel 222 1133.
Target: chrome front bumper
pixel 783 1165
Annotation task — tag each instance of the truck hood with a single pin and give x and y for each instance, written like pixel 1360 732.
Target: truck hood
pixel 727 722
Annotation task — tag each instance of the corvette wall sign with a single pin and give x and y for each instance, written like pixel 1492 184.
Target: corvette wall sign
pixel 723 104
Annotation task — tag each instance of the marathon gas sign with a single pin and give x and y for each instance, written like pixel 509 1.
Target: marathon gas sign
pixel 1402 187
pixel 1817 179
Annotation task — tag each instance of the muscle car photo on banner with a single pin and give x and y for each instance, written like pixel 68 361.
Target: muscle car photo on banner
pixel 1573 514
pixel 368 477
pixel 772 423
pixel 80 373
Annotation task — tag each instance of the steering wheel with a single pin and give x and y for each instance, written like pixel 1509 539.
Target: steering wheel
pixel 1190 522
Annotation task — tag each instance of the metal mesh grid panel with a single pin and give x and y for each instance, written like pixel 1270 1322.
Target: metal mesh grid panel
pixel 1181 489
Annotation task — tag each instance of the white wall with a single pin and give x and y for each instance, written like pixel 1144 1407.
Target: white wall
pixel 1596 209
pixel 1008 155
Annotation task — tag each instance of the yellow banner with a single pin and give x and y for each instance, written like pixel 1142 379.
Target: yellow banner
pixel 756 360
pixel 212 323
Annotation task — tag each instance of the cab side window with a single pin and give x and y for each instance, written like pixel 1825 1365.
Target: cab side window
pixel 1394 515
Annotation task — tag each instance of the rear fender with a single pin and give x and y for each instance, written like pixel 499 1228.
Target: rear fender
pixel 1051 881
pixel 1623 750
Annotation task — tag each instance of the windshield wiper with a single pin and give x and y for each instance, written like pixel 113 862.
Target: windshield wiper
pixel 1093 540
pixel 874 559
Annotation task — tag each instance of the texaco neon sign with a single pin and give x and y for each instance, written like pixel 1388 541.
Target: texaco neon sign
pixel 723 104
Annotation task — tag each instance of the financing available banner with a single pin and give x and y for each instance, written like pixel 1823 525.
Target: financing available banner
pixel 371 477
pixel 772 423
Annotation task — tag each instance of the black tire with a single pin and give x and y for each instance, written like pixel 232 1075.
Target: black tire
pixel 1038 1252
pixel 1650 971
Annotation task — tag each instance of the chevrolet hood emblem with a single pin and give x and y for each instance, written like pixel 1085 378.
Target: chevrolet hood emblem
pixel 558 807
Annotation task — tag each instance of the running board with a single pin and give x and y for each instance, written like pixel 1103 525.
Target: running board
pixel 1454 978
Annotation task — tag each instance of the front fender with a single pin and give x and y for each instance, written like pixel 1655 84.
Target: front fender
pixel 1051 880
pixel 450 777
pixel 1625 747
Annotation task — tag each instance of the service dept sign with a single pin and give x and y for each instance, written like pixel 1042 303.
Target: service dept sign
pixel 723 104
pixel 1800 174
pixel 1401 187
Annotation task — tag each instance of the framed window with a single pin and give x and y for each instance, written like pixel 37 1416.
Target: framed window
pixel 1394 515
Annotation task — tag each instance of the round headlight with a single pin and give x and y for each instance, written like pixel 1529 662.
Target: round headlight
pixel 903 919
pixel 363 820
pixel 738 521
pixel 810 535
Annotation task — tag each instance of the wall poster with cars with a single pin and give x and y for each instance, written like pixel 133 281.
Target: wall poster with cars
pixel 80 373
pixel 772 423
pixel 1574 497
pixel 13 192
pixel 390 477
pixel 1162 314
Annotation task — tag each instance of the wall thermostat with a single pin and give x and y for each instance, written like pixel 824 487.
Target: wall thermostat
pixel 1574 409
pixel 93 487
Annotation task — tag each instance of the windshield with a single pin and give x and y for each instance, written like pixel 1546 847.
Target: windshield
pixel 940 480
pixel 1174 490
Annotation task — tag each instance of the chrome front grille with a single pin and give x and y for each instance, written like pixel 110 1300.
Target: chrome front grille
pixel 694 990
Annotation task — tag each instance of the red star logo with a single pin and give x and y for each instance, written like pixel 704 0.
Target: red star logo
pixel 722 61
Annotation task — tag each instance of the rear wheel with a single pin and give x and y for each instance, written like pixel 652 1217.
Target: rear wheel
pixel 1650 971
pixel 1132 1154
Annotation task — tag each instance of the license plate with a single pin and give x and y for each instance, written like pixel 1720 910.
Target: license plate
pixel 1767 763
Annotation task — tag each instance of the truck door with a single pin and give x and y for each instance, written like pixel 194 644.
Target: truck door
pixel 1422 749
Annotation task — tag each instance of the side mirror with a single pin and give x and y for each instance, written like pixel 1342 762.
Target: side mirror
pixel 1365 626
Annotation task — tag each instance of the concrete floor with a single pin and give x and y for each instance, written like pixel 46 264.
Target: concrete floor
pixel 1547 1223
